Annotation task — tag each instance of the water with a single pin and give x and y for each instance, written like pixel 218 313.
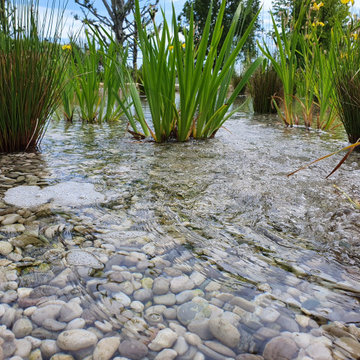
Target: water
pixel 221 208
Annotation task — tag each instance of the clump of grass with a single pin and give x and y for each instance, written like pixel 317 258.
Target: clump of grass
pixel 345 55
pixel 265 87
pixel 31 73
pixel 204 71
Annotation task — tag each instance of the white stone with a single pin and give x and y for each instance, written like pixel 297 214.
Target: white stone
pixel 319 352
pixel 63 194
pixel 77 339
pixel 181 283
pixel 164 339
pixel 23 348
pixel 166 354
pixel 122 298
pixel 10 219
pixel 22 328
pixel 70 311
pixel 5 248
pixel 269 315
pixel 49 348
pixel 137 306
pixel 106 348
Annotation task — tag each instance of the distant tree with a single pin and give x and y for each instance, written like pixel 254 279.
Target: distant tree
pixel 201 9
pixel 118 18
pixel 322 14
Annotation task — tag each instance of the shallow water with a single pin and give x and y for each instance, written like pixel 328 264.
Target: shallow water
pixel 276 257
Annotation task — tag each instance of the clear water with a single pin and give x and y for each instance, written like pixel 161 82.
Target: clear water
pixel 223 207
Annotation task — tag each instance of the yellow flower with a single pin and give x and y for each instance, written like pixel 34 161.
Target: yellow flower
pixel 183 45
pixel 347 1
pixel 66 47
pixel 355 36
pixel 171 47
pixel 318 23
pixel 317 7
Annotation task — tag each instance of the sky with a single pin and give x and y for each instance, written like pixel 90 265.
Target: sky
pixel 72 9
pixel 72 26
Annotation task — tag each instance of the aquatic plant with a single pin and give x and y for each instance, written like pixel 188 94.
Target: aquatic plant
pixel 31 73
pixel 94 80
pixel 265 87
pixel 204 77
pixel 345 54
pixel 286 64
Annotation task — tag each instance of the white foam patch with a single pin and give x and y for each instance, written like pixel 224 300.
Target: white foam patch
pixel 63 194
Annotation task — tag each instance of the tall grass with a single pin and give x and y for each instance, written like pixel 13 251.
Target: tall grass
pixel 286 63
pixel 31 73
pixel 345 53
pixel 204 77
pixel 265 87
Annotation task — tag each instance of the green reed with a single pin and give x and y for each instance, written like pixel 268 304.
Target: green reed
pixel 286 64
pixel 31 73
pixel 345 55
pixel 265 87
pixel 204 73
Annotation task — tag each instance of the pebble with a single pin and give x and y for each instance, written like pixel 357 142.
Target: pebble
pixel 23 348
pixel 10 219
pixel 164 339
pixel 269 315
pixel 133 349
pixel 22 327
pixel 168 299
pixel 76 339
pixel 78 323
pixel 70 311
pixel 243 303
pixel 5 248
pixel 201 328
pixel 106 348
pixel 49 348
pixel 137 306
pixel 161 286
pixel 193 339
pixel 350 345
pixel 181 346
pixel 219 348
pixel 166 354
pixel 281 347
pixel 318 352
pixel 181 283
pixel 224 331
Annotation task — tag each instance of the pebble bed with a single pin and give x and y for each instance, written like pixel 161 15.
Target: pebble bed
pixel 70 291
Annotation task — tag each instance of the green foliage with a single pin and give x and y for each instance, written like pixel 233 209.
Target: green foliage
pixel 92 81
pixel 327 14
pixel 204 77
pixel 265 87
pixel 286 64
pixel 200 12
pixel 345 55
pixel 31 74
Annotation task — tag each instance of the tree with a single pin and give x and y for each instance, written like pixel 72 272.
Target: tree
pixel 201 9
pixel 322 15
pixel 118 18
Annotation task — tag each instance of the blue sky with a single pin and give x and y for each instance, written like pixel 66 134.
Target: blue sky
pixel 72 8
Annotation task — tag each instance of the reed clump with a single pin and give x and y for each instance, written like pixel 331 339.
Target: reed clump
pixel 31 73
pixel 265 87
